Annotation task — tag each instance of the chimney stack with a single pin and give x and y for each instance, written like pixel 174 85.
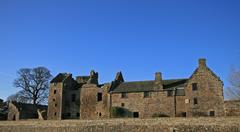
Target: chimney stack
pixel 93 78
pixel 202 62
pixel 158 76
pixel 158 81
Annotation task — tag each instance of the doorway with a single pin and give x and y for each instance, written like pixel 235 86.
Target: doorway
pixel 14 117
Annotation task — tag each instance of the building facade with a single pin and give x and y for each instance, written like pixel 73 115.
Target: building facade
pixel 84 98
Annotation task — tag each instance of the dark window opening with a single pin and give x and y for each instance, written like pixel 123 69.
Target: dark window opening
pixel 124 95
pixel 55 91
pixel 184 114
pixel 69 114
pixel 194 87
pixel 100 114
pixel 195 101
pixel 73 97
pixel 146 94
pixel 55 113
pixel 55 105
pixel 135 114
pixel 53 99
pixel 122 104
pixel 212 113
pixel 14 117
pixel 169 93
pixel 78 114
pixel 99 97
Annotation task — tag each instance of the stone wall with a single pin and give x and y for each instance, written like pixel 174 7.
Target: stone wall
pixel 70 99
pixel 126 125
pixel 13 113
pixel 92 106
pixel 157 102
pixel 232 107
pixel 55 101
pixel 180 106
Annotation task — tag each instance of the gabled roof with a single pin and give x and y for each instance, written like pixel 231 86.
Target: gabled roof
pixel 59 78
pixel 142 86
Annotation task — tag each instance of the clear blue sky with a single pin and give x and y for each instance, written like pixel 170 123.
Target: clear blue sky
pixel 134 36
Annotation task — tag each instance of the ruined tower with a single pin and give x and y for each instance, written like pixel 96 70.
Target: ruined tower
pixel 63 100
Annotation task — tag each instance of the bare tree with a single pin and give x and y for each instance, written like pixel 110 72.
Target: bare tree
pixel 34 83
pixel 19 97
pixel 233 91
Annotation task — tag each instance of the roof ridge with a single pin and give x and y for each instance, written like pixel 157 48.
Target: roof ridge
pixel 154 80
pixel 139 81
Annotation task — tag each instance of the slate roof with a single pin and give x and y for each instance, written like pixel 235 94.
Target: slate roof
pixel 59 78
pixel 142 86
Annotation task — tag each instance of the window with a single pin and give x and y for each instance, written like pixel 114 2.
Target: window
pixel 194 87
pixel 73 97
pixel 195 101
pixel 146 94
pixel 55 105
pixel 124 95
pixel 78 114
pixel 135 114
pixel 100 114
pixel 55 113
pixel 55 91
pixel 184 114
pixel 212 113
pixel 169 93
pixel 99 97
pixel 53 100
pixel 122 104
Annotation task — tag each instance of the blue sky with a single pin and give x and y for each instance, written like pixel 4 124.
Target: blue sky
pixel 135 36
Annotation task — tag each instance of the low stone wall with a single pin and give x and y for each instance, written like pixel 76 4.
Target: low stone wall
pixel 228 124
pixel 232 107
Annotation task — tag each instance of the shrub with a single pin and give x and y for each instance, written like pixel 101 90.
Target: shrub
pixel 118 112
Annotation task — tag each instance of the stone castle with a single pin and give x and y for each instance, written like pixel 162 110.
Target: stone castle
pixel 84 98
